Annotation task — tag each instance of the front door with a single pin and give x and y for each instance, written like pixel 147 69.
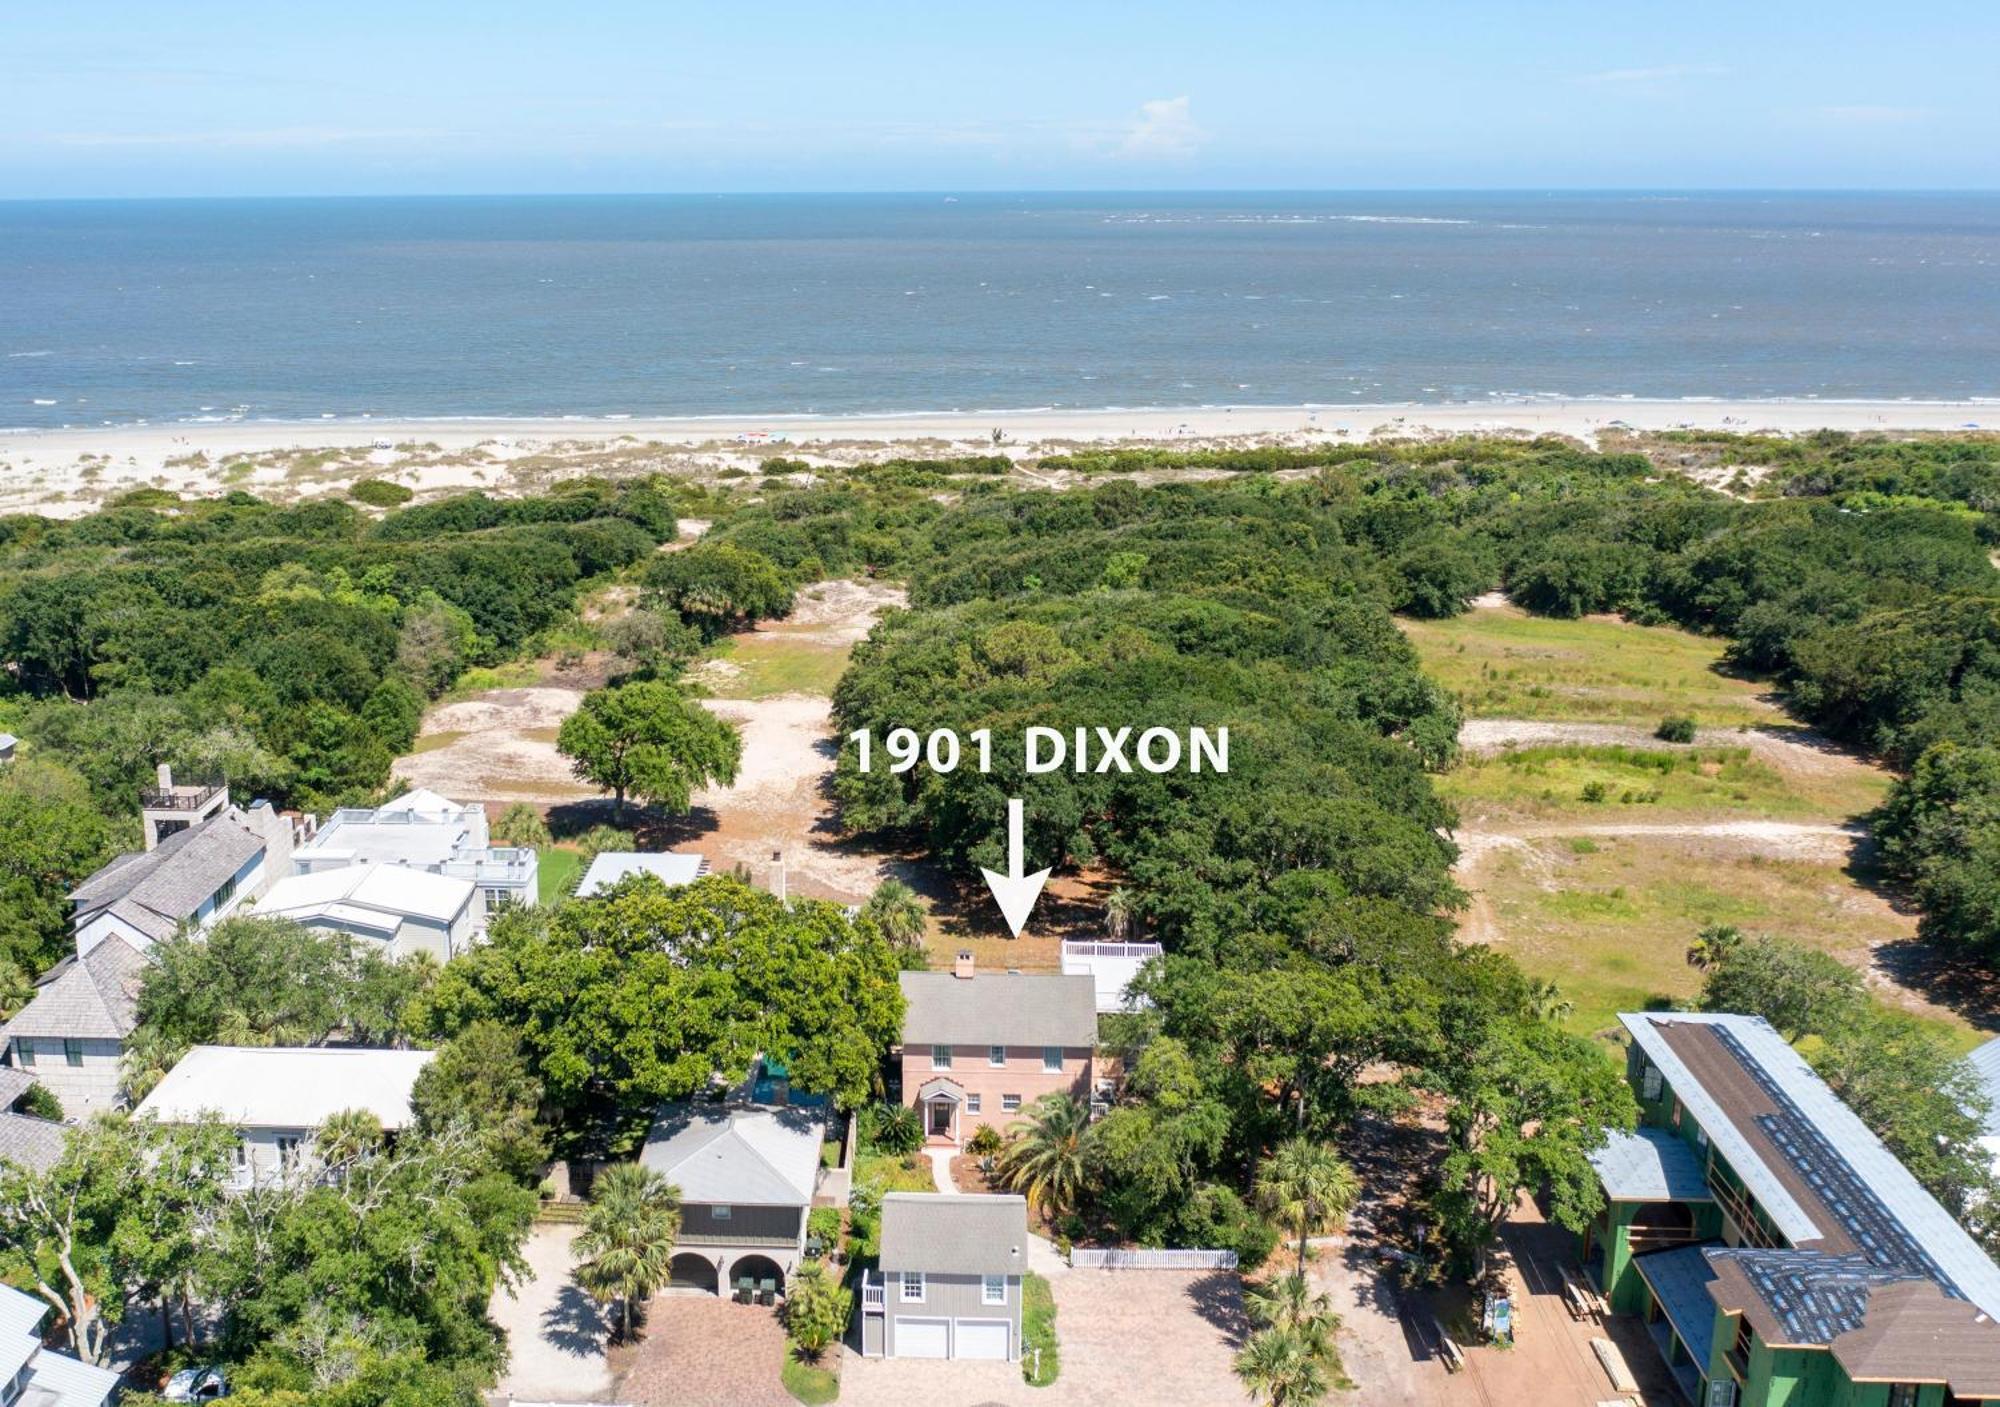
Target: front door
pixel 941 1118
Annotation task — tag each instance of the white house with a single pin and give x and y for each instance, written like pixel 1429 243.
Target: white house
pixel 1985 1063
pixel 71 1035
pixel 1112 966
pixel 34 1376
pixel 424 831
pixel 277 1097
pixel 403 910
pixel 610 866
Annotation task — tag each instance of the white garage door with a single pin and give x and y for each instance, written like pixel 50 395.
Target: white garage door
pixel 981 1338
pixel 922 1338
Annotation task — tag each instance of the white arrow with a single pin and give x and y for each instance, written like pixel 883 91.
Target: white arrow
pixel 1014 892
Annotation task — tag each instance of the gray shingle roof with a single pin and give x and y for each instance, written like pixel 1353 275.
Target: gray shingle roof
pixel 13 1084
pixel 154 890
pixel 30 1143
pixel 1005 1008
pixel 954 1235
pixel 1680 1279
pixel 740 1155
pixel 95 996
pixel 1649 1165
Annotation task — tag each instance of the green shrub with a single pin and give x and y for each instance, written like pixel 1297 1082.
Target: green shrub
pixel 1041 1355
pixel 41 1102
pixel 1678 729
pixel 823 1226
pixel 807 1382
pixel 986 1142
pixel 1594 792
pixel 381 493
pixel 892 1128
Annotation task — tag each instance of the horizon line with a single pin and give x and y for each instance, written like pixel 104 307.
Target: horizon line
pixel 961 192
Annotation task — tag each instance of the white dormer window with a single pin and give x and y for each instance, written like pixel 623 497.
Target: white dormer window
pixel 996 1056
pixel 912 1291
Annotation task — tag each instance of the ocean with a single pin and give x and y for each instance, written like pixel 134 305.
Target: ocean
pixel 115 312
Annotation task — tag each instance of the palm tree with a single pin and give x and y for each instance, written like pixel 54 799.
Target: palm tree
pixel 1285 1368
pixel 626 1247
pixel 1713 945
pixel 1118 914
pixel 147 1057
pixel 348 1136
pixel 1288 1302
pixel 1044 1156
pixel 1546 1001
pixel 899 913
pixel 1306 1187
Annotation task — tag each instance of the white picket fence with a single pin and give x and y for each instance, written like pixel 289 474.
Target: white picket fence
pixel 1145 1258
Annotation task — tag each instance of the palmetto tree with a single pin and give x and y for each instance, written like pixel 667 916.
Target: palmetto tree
pixel 1546 1001
pixel 1712 945
pixel 1306 1187
pixel 899 913
pixel 626 1247
pixel 1288 1302
pixel 1286 1368
pixel 1044 1156
pixel 147 1057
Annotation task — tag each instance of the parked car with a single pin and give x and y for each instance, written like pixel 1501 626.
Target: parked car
pixel 196 1385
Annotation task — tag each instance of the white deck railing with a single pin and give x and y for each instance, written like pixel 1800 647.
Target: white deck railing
pixel 1149 1258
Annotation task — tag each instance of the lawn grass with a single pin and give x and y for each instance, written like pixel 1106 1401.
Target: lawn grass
pixel 1505 663
pixel 808 1382
pixel 515 674
pixel 556 870
pixel 1615 783
pixel 1609 923
pixel 763 664
pixel 893 1173
pixel 1041 1354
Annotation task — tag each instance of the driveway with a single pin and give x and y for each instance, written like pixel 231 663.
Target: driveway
pixel 700 1351
pixel 1130 1338
pixel 555 1332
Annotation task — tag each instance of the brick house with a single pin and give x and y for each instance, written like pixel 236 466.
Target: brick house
pixel 978 1048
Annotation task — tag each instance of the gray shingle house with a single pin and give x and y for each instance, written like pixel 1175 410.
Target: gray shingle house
pixel 747 1174
pixel 70 1037
pixel 950 1279
pixel 196 875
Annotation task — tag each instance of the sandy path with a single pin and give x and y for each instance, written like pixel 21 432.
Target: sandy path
pixel 498 746
pixel 1798 750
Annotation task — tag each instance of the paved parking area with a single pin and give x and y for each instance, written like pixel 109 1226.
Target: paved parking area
pixel 1130 1338
pixel 555 1332
pixel 699 1351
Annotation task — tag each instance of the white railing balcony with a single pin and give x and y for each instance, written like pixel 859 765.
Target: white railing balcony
pixel 874 1294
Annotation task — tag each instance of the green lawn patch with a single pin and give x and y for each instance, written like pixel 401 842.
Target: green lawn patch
pixel 761 665
pixel 1506 663
pixel 557 868
pixel 808 1382
pixel 894 1174
pixel 515 674
pixel 1041 1355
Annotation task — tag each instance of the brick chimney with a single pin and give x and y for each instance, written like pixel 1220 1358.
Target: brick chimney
pixel 963 967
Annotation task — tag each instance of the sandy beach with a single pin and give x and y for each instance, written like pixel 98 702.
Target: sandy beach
pixel 65 472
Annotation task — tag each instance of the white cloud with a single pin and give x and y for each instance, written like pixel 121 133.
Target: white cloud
pixel 1164 130
pixel 1649 77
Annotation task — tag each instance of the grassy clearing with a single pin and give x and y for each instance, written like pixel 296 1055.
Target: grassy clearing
pixel 894 1174
pixel 763 665
pixel 515 674
pixel 1505 663
pixel 556 870
pixel 808 1382
pixel 1041 1355
pixel 1616 783
pixel 1610 922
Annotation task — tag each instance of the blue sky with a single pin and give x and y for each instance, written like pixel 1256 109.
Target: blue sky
pixel 199 98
